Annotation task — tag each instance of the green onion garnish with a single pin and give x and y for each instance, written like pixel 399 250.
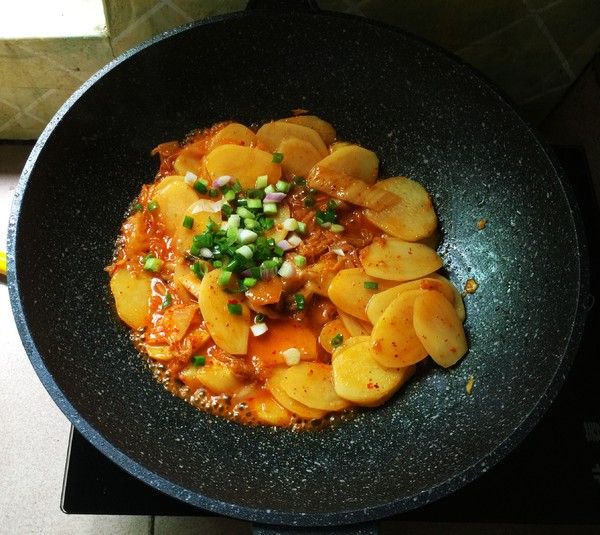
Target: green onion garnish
pixel 224 278
pixel 137 207
pixel 300 260
pixel 199 360
pixel 259 318
pixel 152 206
pixel 188 221
pixel 277 157
pixel 371 285
pixel 152 264
pixel 234 308
pixel 166 301
pixel 300 301
pixel 200 186
pixel 337 340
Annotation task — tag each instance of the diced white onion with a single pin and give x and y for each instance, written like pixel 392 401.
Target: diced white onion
pixel 284 245
pixel 206 252
pixel 291 356
pixel 206 205
pixel 338 251
pixel 294 240
pixel 247 236
pixel 221 181
pixel 190 178
pixel 259 328
pixel 286 270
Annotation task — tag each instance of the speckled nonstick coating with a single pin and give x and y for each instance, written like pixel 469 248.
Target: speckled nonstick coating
pixel 427 117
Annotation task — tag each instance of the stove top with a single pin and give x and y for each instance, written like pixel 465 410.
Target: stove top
pixel 552 477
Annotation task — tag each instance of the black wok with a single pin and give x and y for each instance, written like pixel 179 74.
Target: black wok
pixel 428 117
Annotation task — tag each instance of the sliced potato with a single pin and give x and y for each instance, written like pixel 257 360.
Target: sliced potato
pixel 235 134
pixel 229 331
pixel 394 342
pixel 359 378
pixel 183 237
pixel 310 383
pixel 399 260
pixel 276 389
pixel 351 340
pixel 270 135
pixel 214 375
pixel 355 161
pixel 173 199
pixel 380 301
pixel 439 328
pixel 330 330
pixel 458 302
pixel 190 160
pixel 323 128
pixel 355 326
pixel 299 156
pixel 412 217
pixel 159 352
pixel 244 163
pixel 348 293
pixel 277 231
pixel 268 411
pixel 132 289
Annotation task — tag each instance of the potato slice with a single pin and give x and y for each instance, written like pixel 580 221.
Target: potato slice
pixel 268 411
pixel 299 157
pixel 190 159
pixel 234 134
pixel 183 237
pixel 159 352
pixel 458 302
pixel 412 217
pixel 229 331
pixel 399 260
pixel 348 293
pixel 270 135
pixel 380 301
pixel 351 340
pixel 355 326
pixel 132 289
pixel 439 328
pixel 330 330
pixel 359 378
pixel 173 199
pixel 355 161
pixel 214 375
pixel 323 128
pixel 310 383
pixel 394 342
pixel 243 163
pixel 276 389
pixel 277 231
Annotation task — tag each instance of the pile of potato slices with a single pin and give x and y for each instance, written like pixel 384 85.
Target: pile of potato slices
pixel 271 309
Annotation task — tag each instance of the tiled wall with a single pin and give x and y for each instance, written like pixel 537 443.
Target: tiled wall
pixel 533 49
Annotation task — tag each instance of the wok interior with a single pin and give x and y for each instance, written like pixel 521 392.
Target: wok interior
pixel 427 118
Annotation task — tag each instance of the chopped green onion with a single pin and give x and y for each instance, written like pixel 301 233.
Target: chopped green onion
pixel 277 157
pixel 371 285
pixel 267 223
pixel 234 308
pixel 254 204
pixel 199 269
pixel 137 207
pixel 250 282
pixel 269 189
pixel 199 360
pixel 224 278
pixel 300 260
pixel 229 195
pixel 236 186
pixel 152 206
pixel 300 301
pixel 262 182
pixel 153 264
pixel 290 224
pixel 201 186
pixel 245 213
pixel 213 192
pixel 301 227
pixel 337 340
pixel 309 201
pixel 282 186
pixel 335 227
pixel 270 208
pixel 259 318
pixel 166 301
pixel 299 180
pixel 188 221
pixel 245 251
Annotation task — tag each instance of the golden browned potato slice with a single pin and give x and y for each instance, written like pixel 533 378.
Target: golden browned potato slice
pixel 355 326
pixel 439 328
pixel 359 378
pixel 132 290
pixel 355 161
pixel 214 375
pixel 458 302
pixel 330 330
pixel 229 331
pixel 268 411
pixel 399 260
pixel 412 217
pixel 310 383
pixel 190 159
pixel 235 134
pixel 380 301
pixel 323 128
pixel 351 340
pixel 183 237
pixel 173 199
pixel 274 383
pixel 348 293
pixel 299 156
pixel 394 342
pixel 270 135
pixel 244 163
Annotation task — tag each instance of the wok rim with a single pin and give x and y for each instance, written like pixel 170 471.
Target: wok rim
pixel 354 515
